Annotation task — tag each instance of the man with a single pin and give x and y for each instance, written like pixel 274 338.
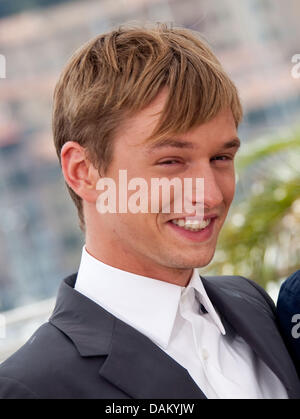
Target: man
pixel 137 320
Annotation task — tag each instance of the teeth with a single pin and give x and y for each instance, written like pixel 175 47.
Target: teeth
pixel 192 225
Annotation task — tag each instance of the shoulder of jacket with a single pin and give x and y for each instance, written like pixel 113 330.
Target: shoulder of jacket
pixel 245 285
pixel 262 292
pixel 24 371
pixel 291 285
pixel 11 388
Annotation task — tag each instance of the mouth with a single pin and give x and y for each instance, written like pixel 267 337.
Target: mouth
pixel 192 225
pixel 193 228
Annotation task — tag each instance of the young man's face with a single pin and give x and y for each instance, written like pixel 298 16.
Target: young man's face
pixel 151 243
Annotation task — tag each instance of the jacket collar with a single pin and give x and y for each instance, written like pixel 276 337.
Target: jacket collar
pixel 134 363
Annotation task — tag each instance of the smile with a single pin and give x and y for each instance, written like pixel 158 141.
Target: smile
pixel 192 225
pixel 196 230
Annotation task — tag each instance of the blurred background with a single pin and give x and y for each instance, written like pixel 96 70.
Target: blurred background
pixel 257 42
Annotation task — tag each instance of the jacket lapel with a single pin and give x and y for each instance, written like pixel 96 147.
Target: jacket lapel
pixel 134 363
pixel 143 370
pixel 246 310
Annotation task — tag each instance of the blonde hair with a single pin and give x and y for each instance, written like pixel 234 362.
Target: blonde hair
pixel 119 73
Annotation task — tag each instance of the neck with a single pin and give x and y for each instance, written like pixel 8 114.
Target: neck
pixel 129 262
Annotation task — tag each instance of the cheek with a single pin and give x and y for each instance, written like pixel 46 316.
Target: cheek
pixel 230 192
pixel 227 185
pixel 138 226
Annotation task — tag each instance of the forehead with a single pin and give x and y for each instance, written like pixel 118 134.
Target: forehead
pixel 136 129
pixel 145 120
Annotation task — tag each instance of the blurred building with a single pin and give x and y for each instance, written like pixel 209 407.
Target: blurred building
pixel 40 241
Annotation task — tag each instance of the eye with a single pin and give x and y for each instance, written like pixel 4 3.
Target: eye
pixel 168 162
pixel 223 158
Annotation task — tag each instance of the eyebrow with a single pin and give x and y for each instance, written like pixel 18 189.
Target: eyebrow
pixel 169 142
pixel 236 142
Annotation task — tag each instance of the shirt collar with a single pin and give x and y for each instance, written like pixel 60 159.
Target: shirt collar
pixel 196 283
pixel 147 304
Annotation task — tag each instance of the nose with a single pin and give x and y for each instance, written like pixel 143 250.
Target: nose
pixel 212 196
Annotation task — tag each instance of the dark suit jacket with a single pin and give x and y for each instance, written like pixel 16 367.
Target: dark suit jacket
pixel 85 352
pixel 288 304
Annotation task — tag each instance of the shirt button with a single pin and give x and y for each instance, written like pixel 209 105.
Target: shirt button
pixel 205 354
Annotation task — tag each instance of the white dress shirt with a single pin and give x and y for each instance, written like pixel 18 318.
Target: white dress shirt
pixel 171 317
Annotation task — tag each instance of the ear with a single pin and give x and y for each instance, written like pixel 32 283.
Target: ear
pixel 78 171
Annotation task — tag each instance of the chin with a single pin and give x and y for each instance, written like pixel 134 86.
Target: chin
pixel 204 260
pixel 195 262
